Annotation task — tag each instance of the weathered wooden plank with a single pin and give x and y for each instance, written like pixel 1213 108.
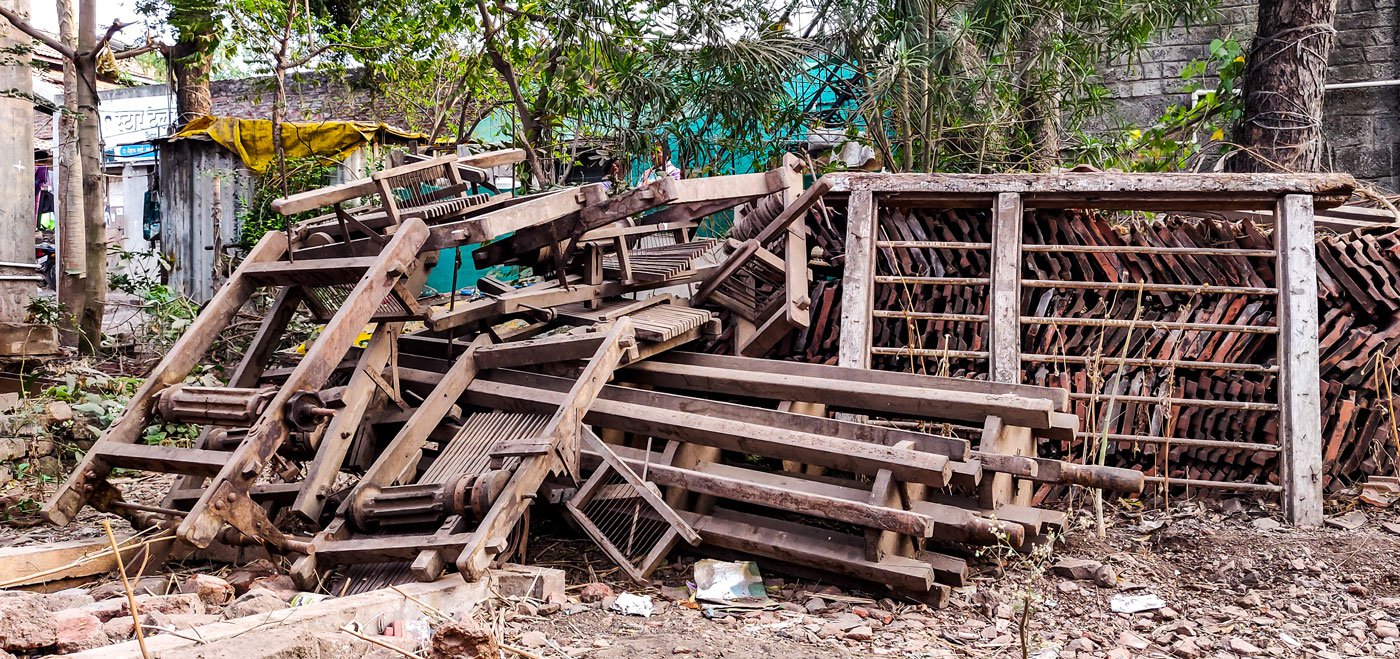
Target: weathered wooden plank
pixel 55 561
pixel 165 459
pixel 1004 327
pixel 781 443
pixel 868 398
pixel 322 197
pixel 858 280
pixel 1057 395
pixel 550 349
pixel 808 546
pixel 497 223
pixel 1224 190
pixel 1300 424
pixel 953 447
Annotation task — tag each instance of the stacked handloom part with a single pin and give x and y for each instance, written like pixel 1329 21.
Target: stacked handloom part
pixel 627 387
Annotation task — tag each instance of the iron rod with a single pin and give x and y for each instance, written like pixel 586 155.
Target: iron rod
pixel 1146 249
pixel 1149 287
pixel 1151 363
pixel 1183 441
pixel 1155 324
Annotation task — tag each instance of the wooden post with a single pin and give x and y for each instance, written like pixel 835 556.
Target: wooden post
pixel 858 283
pixel 1300 424
pixel 795 248
pixel 16 167
pixel 1004 327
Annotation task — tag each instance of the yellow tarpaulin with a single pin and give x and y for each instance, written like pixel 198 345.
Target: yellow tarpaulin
pixel 251 139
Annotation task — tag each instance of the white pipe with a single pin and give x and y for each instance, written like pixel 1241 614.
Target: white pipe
pixel 1360 85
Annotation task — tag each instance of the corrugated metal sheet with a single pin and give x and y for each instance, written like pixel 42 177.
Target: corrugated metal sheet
pixel 203 189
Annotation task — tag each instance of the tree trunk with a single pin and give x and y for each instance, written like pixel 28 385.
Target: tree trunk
pixel 279 109
pixel 522 109
pixel 190 65
pixel 1039 102
pixel 94 201
pixel 1283 87
pixel 72 237
pixel 16 181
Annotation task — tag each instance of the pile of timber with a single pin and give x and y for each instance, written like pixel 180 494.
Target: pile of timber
pixel 425 450
pixel 1195 395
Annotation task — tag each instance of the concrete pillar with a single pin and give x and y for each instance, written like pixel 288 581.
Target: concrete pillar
pixel 16 169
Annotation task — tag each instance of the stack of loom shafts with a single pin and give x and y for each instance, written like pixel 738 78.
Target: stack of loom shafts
pixel 1211 390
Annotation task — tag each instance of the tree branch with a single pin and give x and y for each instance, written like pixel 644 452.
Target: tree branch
pixel 518 13
pixel 24 26
pixel 133 52
pixel 150 45
pixel 112 30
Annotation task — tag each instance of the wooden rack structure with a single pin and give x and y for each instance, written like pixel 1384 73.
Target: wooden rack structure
pixel 976 244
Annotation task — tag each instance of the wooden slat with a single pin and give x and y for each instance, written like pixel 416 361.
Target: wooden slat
pixel 868 398
pixel 1105 189
pixel 952 447
pixel 1058 396
pixel 724 433
pixel 810 547
pixel 164 459
pixel 1005 316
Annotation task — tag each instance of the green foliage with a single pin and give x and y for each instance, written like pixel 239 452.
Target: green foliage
pixel 97 396
pixel 46 310
pixel 978 85
pixel 931 85
pixel 258 218
pixel 1186 137
pixel 100 399
pixel 606 80
pixel 171 434
pixel 167 313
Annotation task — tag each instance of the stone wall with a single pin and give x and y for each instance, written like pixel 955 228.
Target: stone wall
pixel 310 97
pixel 1361 127
pixel 27 438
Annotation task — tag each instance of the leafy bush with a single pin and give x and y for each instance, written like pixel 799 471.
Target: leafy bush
pixel 1186 137
pixel 258 218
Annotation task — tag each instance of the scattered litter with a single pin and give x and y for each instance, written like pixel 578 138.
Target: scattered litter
pixel 1348 522
pixel 725 582
pixel 1136 603
pixel 303 599
pixel 1148 526
pixel 728 588
pixel 634 605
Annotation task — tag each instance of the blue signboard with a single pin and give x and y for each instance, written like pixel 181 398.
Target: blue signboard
pixel 127 152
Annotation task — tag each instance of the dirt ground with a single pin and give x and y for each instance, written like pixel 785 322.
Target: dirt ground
pixel 1231 585
pixel 1233 582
